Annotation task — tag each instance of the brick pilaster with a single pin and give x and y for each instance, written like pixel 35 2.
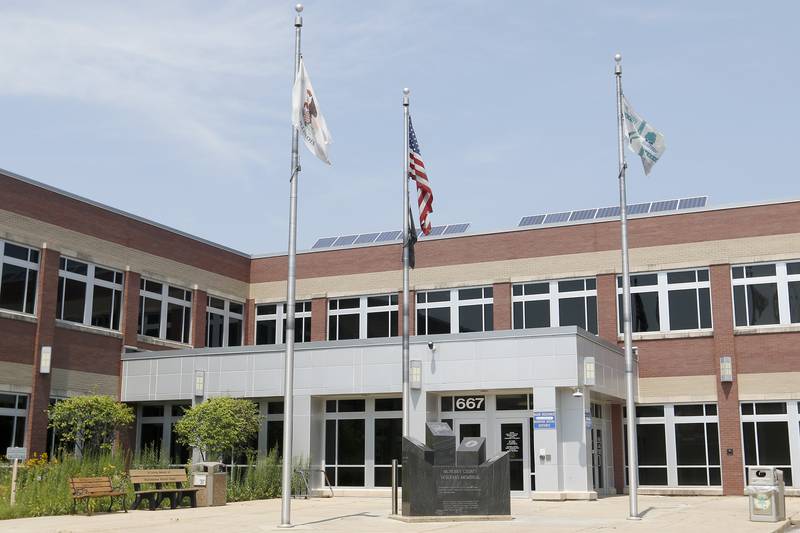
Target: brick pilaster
pixel 319 319
pixel 727 393
pixel 129 324
pixel 607 307
pixel 46 300
pixel 199 303
pixel 249 322
pixel 502 305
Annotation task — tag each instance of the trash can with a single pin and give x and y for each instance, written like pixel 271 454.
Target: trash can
pixel 212 480
pixel 767 494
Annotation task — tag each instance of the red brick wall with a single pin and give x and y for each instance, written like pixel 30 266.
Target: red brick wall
pixel 16 341
pixel 675 357
pixel 48 206
pixel 607 307
pixel 86 352
pixel 319 319
pixel 727 393
pixel 129 325
pixel 502 305
pixel 249 322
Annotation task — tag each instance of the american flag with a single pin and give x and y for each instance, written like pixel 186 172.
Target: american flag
pixel 416 171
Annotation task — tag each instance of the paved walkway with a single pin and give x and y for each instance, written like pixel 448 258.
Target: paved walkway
pixel 355 515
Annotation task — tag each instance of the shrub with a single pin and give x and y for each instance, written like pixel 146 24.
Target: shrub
pixel 90 422
pixel 218 425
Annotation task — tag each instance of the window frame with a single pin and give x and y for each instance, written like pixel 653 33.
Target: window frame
pixel 781 278
pixel 31 264
pixel 554 297
pixel 91 281
pixel 226 314
pixel 792 419
pixel 19 414
pixel 454 303
pixel 279 316
pixel 165 299
pixel 662 288
pixel 363 311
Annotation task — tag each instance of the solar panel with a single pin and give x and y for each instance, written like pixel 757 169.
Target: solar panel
pixel 638 209
pixel 389 236
pixel 324 242
pixel 605 212
pixel 585 214
pixel 456 228
pixel 691 203
pixel 366 238
pixel 436 230
pixel 665 205
pixel 557 217
pixel 345 240
pixel 534 220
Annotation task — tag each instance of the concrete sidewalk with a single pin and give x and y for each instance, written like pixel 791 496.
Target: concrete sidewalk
pixel 354 515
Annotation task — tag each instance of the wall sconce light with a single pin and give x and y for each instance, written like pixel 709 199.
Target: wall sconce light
pixel 577 392
pixel 44 359
pixel 415 374
pixel 725 369
pixel 199 382
pixel 589 378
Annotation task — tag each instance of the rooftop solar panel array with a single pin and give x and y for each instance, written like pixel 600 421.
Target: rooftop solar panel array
pixel 385 236
pixel 662 206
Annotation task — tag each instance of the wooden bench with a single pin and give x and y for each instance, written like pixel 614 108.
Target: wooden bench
pixel 86 488
pixel 160 478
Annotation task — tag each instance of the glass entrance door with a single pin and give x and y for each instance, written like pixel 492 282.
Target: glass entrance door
pixel 597 459
pixel 515 440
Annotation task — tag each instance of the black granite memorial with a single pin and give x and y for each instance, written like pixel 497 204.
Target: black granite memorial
pixel 440 480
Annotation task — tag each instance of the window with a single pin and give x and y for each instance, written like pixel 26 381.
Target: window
pixel 766 294
pixel 547 304
pixel 694 430
pixel 89 294
pixel 455 311
pixel 223 323
pixel 668 301
pixel 388 437
pixel 345 443
pixel 13 412
pixel 165 311
pixel 19 267
pixel 157 432
pixel 766 436
pixel 275 426
pixel 267 330
pixel 362 317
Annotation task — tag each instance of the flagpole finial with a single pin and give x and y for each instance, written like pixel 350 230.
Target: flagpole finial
pixel 298 8
pixel 406 91
pixel 618 57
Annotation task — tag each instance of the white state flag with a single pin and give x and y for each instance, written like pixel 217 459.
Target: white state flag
pixel 307 117
pixel 643 139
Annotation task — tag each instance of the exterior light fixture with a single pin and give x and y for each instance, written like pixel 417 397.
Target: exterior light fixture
pixel 199 382
pixel 577 392
pixel 725 369
pixel 415 374
pixel 44 359
pixel 589 378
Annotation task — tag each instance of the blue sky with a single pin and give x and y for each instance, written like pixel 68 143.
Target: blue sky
pixel 180 111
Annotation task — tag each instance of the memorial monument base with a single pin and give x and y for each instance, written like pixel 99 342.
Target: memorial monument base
pixel 450 518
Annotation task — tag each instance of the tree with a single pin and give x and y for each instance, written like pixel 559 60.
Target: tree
pixel 218 425
pixel 89 422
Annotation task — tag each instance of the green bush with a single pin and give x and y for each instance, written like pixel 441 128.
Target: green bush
pixel 90 422
pixel 218 425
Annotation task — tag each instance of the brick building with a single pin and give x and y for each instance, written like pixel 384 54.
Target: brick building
pixel 508 326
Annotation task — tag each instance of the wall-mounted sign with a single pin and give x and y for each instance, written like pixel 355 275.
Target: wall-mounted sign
pixel 16 453
pixel 544 420
pixel 588 415
pixel 469 403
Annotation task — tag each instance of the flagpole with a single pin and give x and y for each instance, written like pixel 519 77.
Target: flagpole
pixel 406 389
pixel 288 385
pixel 633 462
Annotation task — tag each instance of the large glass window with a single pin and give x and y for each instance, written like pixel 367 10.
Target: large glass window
pixel 691 431
pixel 13 412
pixel 157 432
pixel 19 267
pixel 224 320
pixel 545 304
pixel 345 444
pixel 165 311
pixel 362 317
pixel 765 435
pixel 455 311
pixel 270 331
pixel 766 294
pixel 668 301
pixel 89 294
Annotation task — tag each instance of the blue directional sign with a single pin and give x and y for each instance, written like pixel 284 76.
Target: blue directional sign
pixel 544 420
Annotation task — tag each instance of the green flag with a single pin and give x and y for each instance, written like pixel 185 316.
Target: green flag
pixel 643 139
